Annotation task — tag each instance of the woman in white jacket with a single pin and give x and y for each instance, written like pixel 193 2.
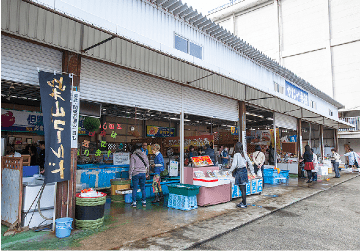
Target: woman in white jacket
pixel 240 173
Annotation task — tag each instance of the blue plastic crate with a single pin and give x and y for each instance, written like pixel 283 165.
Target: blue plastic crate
pixel 29 171
pixel 182 202
pixel 253 186
pixel 284 174
pixel 248 189
pixel 272 180
pixel 235 191
pixel 259 185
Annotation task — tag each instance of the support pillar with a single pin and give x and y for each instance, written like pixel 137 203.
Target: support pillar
pixel 242 124
pixel 321 135
pixel 336 140
pixel 275 141
pixel 66 190
pixel 182 144
pixel 309 142
pixel 299 144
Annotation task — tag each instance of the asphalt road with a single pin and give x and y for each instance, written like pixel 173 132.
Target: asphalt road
pixel 326 221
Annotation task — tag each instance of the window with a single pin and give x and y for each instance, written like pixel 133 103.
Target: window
pixel 313 104
pixel 191 48
pixel 195 50
pixel 330 112
pixel 181 44
pixel 278 88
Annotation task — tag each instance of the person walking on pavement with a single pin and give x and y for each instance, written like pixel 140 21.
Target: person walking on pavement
pixel 315 163
pixel 335 160
pixel 139 171
pixel 158 168
pixel 239 170
pixel 353 158
pixel 308 160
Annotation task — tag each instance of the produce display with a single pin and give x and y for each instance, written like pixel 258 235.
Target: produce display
pixel 202 161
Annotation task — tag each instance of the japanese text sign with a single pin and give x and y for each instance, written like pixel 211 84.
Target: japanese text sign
pixel 121 158
pixel 55 91
pixel 296 93
pixel 75 109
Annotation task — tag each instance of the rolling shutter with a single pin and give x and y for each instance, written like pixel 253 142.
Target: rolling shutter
pixel 20 60
pixel 101 82
pixel 285 121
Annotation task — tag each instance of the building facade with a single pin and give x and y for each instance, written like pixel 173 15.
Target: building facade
pixel 317 40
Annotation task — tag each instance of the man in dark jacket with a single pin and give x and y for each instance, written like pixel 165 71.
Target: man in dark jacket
pixel 271 152
pixel 210 152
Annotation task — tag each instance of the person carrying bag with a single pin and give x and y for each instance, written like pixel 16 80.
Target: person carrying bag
pixel 239 171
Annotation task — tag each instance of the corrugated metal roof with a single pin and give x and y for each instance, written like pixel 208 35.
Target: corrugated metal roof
pixel 204 24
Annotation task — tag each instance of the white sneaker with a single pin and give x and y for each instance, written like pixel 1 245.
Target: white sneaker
pixel 133 204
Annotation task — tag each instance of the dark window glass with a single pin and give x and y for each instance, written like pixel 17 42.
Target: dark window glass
pixel 181 44
pixel 195 50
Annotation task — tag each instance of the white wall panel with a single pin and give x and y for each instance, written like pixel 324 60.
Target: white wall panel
pixel 344 18
pixel 346 71
pixel 311 67
pixel 303 22
pixel 20 59
pixel 258 28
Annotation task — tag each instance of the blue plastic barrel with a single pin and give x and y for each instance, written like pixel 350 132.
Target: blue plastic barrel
pixel 63 227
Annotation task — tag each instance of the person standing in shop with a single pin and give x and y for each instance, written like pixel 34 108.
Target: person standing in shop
pixel 239 170
pixel 42 157
pixel 308 160
pixel 192 153
pixel 225 157
pixel 144 148
pixel 259 160
pixel 139 171
pixel 158 168
pixel 210 152
pixel 335 160
pixel 271 155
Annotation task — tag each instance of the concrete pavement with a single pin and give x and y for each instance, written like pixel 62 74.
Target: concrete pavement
pixel 326 221
pixel 230 218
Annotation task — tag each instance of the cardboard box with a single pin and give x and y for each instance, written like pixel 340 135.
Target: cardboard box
pixel 330 170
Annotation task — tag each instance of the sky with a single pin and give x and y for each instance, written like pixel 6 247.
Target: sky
pixel 204 6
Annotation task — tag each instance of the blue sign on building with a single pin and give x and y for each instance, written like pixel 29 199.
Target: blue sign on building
pixel 296 93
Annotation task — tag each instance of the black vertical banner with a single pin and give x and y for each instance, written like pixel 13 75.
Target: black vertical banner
pixel 55 91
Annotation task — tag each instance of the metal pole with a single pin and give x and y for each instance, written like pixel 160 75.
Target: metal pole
pixel 182 139
pixel 309 142
pixel 275 148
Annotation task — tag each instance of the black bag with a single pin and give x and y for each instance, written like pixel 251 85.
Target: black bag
pixel 233 173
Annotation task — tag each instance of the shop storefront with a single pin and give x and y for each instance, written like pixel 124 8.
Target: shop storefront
pixel 133 93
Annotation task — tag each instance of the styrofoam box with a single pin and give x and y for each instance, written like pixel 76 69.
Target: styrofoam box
pixel 207 182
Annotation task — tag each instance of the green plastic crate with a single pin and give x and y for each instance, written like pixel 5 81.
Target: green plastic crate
pixel 183 189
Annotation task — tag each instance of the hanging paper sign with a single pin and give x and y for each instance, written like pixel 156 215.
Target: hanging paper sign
pixel 202 161
pixel 121 158
pixel 156 131
pixel 173 170
pixel 75 108
pixel 234 130
pixel 196 141
pixel 55 91
pixel 23 121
